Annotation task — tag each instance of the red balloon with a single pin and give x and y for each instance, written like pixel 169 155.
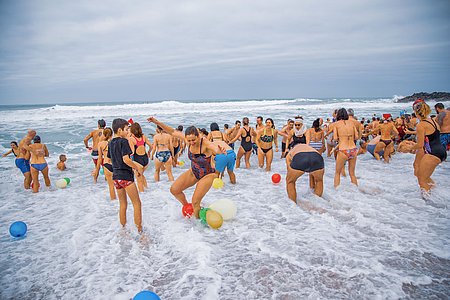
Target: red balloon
pixel 276 178
pixel 187 210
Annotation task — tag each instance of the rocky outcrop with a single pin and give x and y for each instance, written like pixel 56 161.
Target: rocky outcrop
pixel 436 96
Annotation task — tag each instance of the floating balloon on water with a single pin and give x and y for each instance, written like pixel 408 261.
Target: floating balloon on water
pixel 214 219
pixel 217 183
pixel 187 210
pixel 146 295
pixel 102 171
pixel 181 163
pixel 61 183
pixel 226 207
pixel 276 178
pixel 67 180
pixel 18 229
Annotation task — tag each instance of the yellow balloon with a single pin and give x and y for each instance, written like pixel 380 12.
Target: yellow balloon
pixel 217 183
pixel 214 219
pixel 181 163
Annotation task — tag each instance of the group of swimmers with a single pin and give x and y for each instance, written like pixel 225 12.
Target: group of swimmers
pixel 121 151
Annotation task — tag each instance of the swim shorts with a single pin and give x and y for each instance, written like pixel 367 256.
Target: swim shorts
pixel 121 184
pixel 225 160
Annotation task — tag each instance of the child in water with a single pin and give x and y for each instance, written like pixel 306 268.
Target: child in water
pixel 61 165
pixel 123 177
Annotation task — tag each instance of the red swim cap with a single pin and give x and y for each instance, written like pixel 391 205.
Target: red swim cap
pixel 418 101
pixel 130 121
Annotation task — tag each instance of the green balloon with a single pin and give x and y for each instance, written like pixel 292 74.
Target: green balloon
pixel 67 180
pixel 102 171
pixel 202 214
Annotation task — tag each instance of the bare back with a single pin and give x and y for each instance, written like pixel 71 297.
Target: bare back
pixel 346 133
pixel 162 141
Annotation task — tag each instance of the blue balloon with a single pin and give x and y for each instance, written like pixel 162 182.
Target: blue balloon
pixel 146 295
pixel 18 229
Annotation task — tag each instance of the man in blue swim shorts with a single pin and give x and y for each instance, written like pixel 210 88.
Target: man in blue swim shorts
pixel 227 161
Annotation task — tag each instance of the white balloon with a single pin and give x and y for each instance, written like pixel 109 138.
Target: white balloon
pixel 61 183
pixel 225 207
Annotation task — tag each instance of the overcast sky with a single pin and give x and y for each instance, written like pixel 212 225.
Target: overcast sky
pixel 86 51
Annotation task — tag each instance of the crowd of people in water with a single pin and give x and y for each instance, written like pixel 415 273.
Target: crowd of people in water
pixel 121 152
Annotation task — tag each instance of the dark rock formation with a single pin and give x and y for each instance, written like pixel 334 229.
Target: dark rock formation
pixel 436 96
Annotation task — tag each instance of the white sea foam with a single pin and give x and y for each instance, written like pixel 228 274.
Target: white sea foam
pixel 379 240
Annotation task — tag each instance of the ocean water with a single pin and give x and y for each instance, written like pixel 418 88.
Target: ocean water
pixel 379 240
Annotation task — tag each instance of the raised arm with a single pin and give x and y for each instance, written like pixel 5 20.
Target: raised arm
pixel 166 128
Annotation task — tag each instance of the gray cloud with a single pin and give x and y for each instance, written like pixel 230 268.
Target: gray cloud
pixel 51 48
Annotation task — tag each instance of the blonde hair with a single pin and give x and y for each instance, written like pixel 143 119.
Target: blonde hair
pixel 422 110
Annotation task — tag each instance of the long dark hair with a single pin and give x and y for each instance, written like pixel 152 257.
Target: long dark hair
pixel 136 130
pixel 342 114
pixel 316 125
pixel 214 127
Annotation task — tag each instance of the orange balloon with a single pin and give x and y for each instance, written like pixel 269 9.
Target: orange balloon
pixel 214 219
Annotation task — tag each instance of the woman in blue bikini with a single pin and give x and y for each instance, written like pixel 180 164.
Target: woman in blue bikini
pixel 38 152
pixel 162 145
pixel 201 174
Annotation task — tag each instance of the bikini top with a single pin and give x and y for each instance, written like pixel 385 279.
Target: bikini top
pixel 267 138
pixel 217 138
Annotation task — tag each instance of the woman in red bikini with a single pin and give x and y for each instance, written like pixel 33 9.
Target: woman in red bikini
pixel 345 134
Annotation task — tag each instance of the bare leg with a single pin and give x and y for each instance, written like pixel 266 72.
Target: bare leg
pixel 340 163
pixel 184 181
pixel 232 176
pixel 378 148
pixel 133 193
pixel 291 178
pixel 260 158
pixel 426 168
pixel 312 183
pixel 122 194
pixel 318 181
pixel 35 177
pixel 269 158
pixel 168 165
pixel 27 180
pixel 157 169
pixel 241 153
pixel 351 170
pixel 109 180
pixel 46 178
pixel 201 189
pixel 247 159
